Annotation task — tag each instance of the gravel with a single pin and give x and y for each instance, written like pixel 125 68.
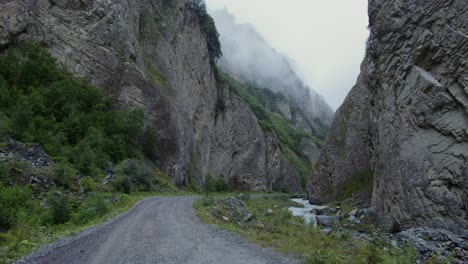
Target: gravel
pixel 157 230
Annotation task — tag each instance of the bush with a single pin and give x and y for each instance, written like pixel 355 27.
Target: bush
pixel 93 208
pixel 12 202
pixel 60 207
pixel 122 183
pixel 14 172
pixel 64 175
pixel 88 184
pixel 164 181
pixel 133 174
pixel 215 185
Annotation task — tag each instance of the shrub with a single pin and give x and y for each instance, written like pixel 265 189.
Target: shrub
pixel 14 172
pixel 122 183
pixel 12 202
pixel 139 175
pixel 164 181
pixel 88 184
pixel 215 185
pixel 60 207
pixel 93 208
pixel 64 175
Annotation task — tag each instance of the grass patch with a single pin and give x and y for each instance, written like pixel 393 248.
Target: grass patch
pixel 159 80
pixel 26 238
pixel 288 234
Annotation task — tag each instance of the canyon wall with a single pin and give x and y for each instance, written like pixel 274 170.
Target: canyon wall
pixel 406 120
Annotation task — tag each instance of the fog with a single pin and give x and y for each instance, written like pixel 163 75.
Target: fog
pixel 248 57
pixel 323 40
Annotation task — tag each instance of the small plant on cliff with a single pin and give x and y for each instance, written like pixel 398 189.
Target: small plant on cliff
pixel 208 27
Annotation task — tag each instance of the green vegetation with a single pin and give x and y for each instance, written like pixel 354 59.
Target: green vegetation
pixel 33 227
pixel 71 119
pixel 208 27
pixel 85 134
pixel 288 234
pixel 159 80
pixel 213 185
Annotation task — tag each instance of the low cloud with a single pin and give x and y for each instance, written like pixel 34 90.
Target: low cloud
pixel 325 40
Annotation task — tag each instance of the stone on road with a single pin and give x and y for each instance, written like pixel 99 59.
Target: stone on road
pixel 163 230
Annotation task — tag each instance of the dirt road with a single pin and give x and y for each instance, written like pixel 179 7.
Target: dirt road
pixel 163 230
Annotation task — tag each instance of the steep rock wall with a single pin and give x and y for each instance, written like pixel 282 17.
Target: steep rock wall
pixel 413 127
pixel 245 155
pixel 145 53
pixel 346 152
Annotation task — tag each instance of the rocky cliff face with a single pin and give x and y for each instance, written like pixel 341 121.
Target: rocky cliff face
pixel 407 118
pixel 151 54
pixel 245 155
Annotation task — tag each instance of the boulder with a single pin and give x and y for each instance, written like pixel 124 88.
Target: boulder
pixel 233 208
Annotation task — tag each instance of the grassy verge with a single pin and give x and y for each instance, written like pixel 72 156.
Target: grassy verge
pixel 288 234
pixel 26 238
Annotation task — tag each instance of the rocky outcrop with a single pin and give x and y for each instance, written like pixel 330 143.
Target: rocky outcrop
pixel 433 244
pixel 150 54
pixel 346 152
pixel 245 155
pixel 407 117
pixel 310 150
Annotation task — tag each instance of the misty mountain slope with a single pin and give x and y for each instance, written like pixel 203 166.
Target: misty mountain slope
pixel 250 59
pixel 289 150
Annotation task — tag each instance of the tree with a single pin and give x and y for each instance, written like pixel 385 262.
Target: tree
pixel 208 27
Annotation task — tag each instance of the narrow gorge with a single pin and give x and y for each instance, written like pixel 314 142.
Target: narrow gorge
pixel 106 104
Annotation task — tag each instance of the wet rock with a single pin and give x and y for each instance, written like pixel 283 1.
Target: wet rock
pixel 327 231
pixel 327 221
pixel 321 210
pixel 356 213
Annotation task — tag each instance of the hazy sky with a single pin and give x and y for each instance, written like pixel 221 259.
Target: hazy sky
pixel 326 38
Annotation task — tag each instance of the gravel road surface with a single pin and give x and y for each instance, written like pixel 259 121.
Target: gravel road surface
pixel 163 230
